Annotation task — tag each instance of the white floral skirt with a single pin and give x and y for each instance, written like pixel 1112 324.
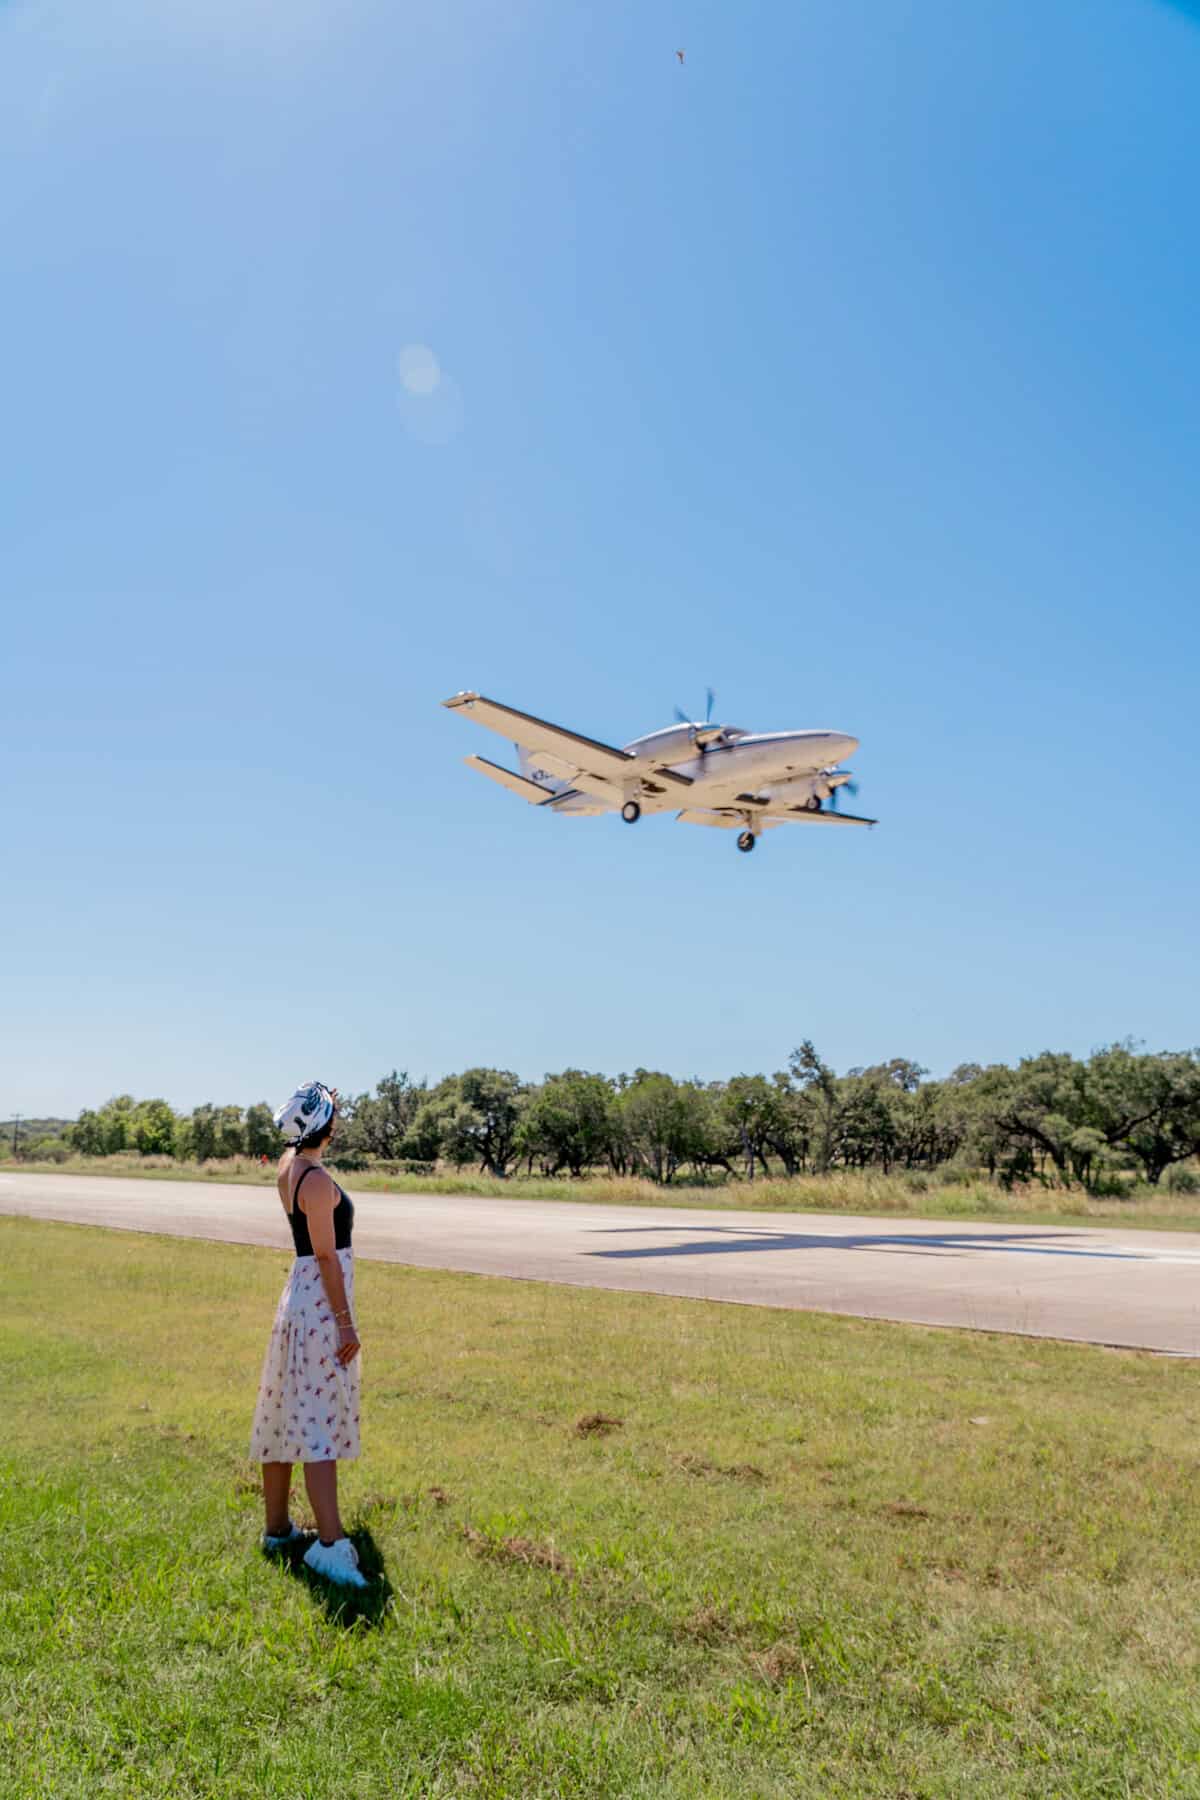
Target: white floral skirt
pixel 308 1405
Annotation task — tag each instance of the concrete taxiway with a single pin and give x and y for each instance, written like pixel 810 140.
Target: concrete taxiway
pixel 1103 1285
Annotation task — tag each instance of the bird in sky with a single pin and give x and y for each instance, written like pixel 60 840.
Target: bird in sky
pixel 679 54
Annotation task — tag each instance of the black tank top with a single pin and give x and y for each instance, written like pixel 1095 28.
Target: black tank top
pixel 343 1218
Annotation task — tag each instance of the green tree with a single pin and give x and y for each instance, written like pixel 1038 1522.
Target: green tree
pixel 230 1132
pixel 751 1115
pixel 666 1123
pixel 87 1134
pixel 975 1104
pixel 866 1125
pixel 790 1130
pixel 905 1108
pixel 817 1082
pixel 153 1128
pixel 494 1096
pixel 117 1124
pixel 1167 1128
pixel 1146 1104
pixel 568 1121
pixel 457 1128
pixel 433 1127
pixel 471 1117
pixel 262 1139
pixel 1045 1107
pixel 381 1124
pixel 1088 1154
pixel 203 1132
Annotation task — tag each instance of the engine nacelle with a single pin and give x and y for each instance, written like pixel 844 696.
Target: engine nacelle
pixel 680 743
pixel 808 787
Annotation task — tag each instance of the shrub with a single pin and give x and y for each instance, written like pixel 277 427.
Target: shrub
pixel 1109 1184
pixel 1180 1180
pixel 48 1150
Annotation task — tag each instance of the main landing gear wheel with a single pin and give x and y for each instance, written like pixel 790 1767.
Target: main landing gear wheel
pixel 812 805
pixel 631 812
pixel 745 840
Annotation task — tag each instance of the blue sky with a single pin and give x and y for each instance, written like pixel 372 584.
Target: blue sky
pixel 851 367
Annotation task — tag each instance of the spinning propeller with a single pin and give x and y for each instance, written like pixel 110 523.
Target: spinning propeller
pixel 702 735
pixel 851 788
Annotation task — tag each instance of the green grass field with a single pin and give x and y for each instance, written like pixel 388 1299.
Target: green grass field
pixel 940 1195
pixel 815 1556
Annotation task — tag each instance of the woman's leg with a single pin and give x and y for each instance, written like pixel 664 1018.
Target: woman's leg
pixel 277 1481
pixel 320 1478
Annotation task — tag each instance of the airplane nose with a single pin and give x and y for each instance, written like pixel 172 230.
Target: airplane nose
pixel 843 746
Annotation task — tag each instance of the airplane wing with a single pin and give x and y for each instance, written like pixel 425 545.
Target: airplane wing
pixel 800 815
pixel 726 821
pixel 594 768
pixel 730 818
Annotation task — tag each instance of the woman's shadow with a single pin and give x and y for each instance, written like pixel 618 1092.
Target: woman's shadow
pixel 343 1605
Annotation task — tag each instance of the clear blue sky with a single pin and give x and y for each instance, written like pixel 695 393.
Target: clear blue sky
pixel 852 367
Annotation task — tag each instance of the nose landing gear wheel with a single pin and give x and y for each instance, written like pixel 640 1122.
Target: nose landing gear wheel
pixel 745 840
pixel 631 812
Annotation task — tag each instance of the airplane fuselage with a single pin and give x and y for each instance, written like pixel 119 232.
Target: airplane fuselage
pixel 737 763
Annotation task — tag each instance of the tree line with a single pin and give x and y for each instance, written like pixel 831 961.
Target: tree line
pixel 1053 1117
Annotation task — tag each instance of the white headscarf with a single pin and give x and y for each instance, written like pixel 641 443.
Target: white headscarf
pixel 305 1112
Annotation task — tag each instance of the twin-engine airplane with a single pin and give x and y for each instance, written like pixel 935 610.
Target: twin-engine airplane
pixel 717 774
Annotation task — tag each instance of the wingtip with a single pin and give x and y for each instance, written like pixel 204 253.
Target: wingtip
pixel 464 698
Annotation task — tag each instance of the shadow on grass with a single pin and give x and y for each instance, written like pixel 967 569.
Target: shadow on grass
pixel 346 1606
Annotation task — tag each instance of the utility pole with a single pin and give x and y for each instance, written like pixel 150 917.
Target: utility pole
pixel 16 1129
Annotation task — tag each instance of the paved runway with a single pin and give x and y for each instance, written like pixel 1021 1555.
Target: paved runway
pixel 1108 1286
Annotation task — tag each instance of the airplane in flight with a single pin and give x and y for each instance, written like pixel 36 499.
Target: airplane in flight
pixel 715 774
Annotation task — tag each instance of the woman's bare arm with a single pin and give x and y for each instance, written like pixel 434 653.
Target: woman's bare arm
pixel 320 1198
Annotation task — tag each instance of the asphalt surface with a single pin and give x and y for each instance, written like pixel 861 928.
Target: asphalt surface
pixel 1139 1289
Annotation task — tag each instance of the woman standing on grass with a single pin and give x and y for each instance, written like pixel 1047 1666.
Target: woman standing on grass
pixel 308 1395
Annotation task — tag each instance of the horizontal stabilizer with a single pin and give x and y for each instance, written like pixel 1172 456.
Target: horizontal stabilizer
pixel 533 791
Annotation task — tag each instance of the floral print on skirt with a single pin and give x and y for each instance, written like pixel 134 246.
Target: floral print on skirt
pixel 308 1405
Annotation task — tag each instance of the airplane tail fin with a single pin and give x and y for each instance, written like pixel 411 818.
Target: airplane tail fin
pixel 532 768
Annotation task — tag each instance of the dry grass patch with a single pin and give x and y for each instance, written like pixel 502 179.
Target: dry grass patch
pixel 700 1465
pixel 708 1625
pixel 905 1509
pixel 597 1424
pixel 780 1664
pixel 522 1550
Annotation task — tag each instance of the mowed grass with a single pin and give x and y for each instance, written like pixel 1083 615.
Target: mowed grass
pixel 912 1194
pixel 803 1556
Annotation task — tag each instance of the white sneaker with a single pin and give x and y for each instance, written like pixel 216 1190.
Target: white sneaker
pixel 336 1562
pixel 286 1540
